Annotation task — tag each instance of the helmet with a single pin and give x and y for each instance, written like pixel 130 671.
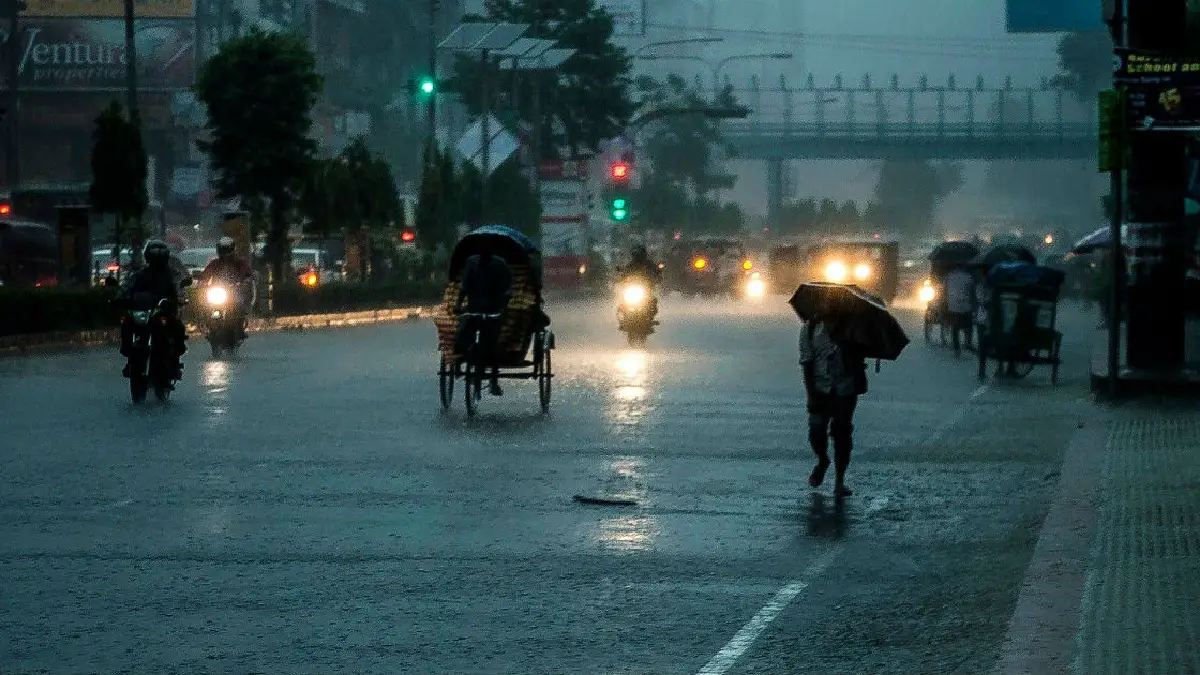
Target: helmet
pixel 225 246
pixel 156 253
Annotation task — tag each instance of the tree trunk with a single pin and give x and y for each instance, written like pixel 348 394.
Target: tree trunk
pixel 278 240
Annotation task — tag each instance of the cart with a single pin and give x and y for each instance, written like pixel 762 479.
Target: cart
pixel 945 258
pixel 467 342
pixel 1021 315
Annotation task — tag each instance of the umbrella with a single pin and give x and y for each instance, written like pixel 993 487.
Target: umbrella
pixel 1100 239
pixel 953 253
pixel 1004 253
pixel 858 319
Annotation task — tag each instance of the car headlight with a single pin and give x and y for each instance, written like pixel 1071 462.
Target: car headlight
pixel 634 295
pixel 217 296
pixel 862 272
pixel 836 272
pixel 927 293
pixel 756 288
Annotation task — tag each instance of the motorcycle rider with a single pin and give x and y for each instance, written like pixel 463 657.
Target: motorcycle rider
pixel 231 270
pixel 155 279
pixel 642 268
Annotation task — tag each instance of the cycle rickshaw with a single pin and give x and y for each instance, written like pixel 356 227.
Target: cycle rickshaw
pixel 945 258
pixel 1020 331
pixel 467 352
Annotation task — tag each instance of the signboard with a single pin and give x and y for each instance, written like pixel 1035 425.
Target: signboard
pixel 1054 16
pixel 501 147
pixel 89 54
pixel 564 214
pixel 109 9
pixel 569 169
pixel 1163 93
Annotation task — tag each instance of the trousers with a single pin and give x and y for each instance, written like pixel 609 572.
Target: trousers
pixel 832 415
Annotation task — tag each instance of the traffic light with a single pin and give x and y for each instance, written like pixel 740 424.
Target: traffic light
pixel 619 210
pixel 408 236
pixel 5 209
pixel 426 85
pixel 619 171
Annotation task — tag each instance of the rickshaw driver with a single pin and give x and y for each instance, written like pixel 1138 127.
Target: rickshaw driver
pixel 487 289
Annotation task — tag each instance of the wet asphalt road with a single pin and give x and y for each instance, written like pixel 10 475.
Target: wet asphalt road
pixel 307 508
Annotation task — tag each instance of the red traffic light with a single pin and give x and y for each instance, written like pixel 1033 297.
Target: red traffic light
pixel 407 236
pixel 619 171
pixel 5 209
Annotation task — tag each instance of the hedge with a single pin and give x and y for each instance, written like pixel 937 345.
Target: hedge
pixel 44 310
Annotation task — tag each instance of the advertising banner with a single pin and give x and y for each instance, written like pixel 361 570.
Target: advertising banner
pixel 1163 93
pixel 89 55
pixel 1054 16
pixel 109 9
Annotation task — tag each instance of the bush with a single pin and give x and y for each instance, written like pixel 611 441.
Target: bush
pixel 346 297
pixel 46 310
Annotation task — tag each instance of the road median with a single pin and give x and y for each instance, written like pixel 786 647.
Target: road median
pixel 18 345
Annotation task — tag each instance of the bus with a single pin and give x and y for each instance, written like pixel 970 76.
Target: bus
pixel 29 254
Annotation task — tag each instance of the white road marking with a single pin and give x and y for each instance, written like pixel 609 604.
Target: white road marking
pixel 959 413
pixel 744 638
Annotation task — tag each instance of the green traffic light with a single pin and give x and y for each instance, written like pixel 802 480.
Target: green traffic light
pixel 619 204
pixel 427 86
pixel 619 214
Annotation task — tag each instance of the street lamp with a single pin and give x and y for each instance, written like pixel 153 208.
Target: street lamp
pixel 716 67
pixel 667 43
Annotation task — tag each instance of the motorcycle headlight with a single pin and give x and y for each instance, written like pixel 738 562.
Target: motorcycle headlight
pixel 217 296
pixel 756 288
pixel 836 271
pixel 634 295
pixel 862 272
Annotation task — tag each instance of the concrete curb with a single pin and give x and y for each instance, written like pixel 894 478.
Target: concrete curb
pixel 21 345
pixel 1041 633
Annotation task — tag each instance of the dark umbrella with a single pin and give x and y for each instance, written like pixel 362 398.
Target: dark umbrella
pixel 1004 253
pixel 1100 239
pixel 856 318
pixel 953 253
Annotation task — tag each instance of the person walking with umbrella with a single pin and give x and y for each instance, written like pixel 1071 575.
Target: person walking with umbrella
pixel 834 377
pixel 843 327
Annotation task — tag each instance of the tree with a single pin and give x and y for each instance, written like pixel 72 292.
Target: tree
pixel 431 202
pixel 511 200
pixel 1085 62
pixel 585 101
pixel 260 90
pixel 119 172
pixel 907 194
pixel 323 201
pixel 683 166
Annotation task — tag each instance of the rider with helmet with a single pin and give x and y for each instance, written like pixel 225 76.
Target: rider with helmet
pixel 227 268
pixel 642 267
pixel 155 279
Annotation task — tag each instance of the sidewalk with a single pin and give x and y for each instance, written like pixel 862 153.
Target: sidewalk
pixel 1141 604
pixel 1113 587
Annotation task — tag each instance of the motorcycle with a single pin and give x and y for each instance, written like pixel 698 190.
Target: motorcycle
pixel 223 319
pixel 637 310
pixel 151 357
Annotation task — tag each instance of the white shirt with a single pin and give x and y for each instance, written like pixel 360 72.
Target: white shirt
pixel 960 286
pixel 829 367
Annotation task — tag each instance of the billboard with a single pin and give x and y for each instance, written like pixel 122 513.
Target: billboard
pixel 89 55
pixel 1162 93
pixel 1054 16
pixel 109 9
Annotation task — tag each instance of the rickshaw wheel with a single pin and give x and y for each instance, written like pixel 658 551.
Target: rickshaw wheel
pixel 545 377
pixel 446 372
pixel 473 379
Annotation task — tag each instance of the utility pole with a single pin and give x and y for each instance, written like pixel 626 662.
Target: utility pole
pixel 12 10
pixel 485 128
pixel 1156 180
pixel 434 6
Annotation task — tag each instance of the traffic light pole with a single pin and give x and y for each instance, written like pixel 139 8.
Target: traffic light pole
pixel 434 5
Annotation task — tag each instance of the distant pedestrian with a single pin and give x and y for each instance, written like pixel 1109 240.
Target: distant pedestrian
pixel 834 377
pixel 960 289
